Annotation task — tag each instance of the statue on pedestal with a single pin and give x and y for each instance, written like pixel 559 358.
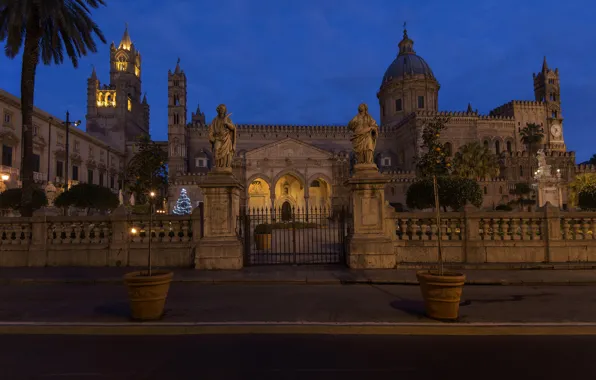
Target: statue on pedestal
pixel 120 197
pixel 365 132
pixel 222 136
pixel 51 191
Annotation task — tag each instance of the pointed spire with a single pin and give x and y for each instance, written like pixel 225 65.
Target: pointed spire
pixel 177 70
pixel 93 73
pixel 198 109
pixel 126 41
pixel 470 108
pixel 406 45
pixel 544 65
pixel 145 98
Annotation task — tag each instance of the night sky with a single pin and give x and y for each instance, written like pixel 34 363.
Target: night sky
pixel 311 62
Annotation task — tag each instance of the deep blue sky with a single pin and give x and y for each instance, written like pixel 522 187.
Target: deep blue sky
pixel 313 61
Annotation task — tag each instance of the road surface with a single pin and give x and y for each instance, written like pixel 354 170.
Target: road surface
pixel 296 357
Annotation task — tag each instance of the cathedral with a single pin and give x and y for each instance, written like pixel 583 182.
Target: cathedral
pixel 306 165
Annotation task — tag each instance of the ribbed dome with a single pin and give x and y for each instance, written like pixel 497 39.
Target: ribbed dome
pixel 407 62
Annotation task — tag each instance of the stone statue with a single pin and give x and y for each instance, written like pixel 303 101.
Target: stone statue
pixel 120 197
pixel 541 157
pixel 131 200
pixel 50 190
pixel 364 139
pixel 222 136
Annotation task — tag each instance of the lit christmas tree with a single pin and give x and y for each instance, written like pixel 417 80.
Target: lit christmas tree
pixel 183 206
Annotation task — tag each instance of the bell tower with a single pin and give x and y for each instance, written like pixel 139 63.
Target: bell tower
pixel 118 112
pixel 177 112
pixel 547 89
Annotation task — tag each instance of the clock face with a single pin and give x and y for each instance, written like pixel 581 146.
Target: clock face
pixel 555 130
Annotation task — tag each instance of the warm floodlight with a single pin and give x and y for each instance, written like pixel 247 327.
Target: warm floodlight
pixel 5 177
pixel 133 231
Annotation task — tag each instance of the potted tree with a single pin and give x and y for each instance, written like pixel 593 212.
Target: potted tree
pixel 148 290
pixel 263 236
pixel 441 289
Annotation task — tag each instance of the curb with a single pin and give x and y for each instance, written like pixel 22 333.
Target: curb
pixel 300 328
pixel 306 281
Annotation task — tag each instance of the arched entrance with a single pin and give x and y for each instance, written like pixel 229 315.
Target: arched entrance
pixel 289 189
pixel 259 194
pixel 286 211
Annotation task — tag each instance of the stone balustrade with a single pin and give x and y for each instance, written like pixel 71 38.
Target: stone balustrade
pixel 475 237
pixel 45 240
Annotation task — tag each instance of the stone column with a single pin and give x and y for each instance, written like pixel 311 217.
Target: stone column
pixel 370 245
pixel 220 247
pixel 118 254
pixel 555 250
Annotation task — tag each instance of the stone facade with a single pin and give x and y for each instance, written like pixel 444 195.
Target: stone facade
pixel 90 160
pixel 279 163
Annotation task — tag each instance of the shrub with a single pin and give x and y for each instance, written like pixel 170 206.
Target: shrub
pixel 503 207
pixel 587 198
pixel 88 196
pixel 11 199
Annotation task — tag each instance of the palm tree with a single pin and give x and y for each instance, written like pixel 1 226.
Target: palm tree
pixel 531 136
pixel 592 161
pixel 44 29
pixel 475 161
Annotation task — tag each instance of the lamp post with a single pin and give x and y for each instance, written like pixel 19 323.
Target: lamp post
pixel 49 145
pixel 67 124
pixel 151 197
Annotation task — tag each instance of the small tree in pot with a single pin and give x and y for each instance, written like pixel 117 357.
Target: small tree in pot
pixel 441 289
pixel 148 290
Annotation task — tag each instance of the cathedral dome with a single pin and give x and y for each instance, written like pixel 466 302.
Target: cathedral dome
pixel 407 63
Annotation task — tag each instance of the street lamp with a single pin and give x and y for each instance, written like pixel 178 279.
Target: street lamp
pixel 67 124
pixel 5 177
pixel 151 197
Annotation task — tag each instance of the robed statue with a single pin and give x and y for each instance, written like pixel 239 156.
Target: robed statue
pixel 364 135
pixel 222 136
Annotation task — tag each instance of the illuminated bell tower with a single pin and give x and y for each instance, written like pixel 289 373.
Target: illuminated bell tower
pixel 177 112
pixel 118 112
pixel 547 89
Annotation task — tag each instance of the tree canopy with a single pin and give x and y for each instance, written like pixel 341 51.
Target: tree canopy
pixel 147 170
pixel 88 196
pixel 531 136
pixel 13 199
pixel 43 29
pixel 435 160
pixel 475 161
pixel 454 193
pixel 587 198
pixel 579 183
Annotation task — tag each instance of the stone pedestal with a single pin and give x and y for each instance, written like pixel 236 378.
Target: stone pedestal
pixel 371 243
pixel 220 247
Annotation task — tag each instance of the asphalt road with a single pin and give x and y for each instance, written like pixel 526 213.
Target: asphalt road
pixel 296 357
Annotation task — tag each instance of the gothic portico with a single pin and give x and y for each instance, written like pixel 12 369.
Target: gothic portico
pixel 289 173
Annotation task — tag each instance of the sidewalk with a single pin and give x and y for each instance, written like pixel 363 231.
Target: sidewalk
pixel 300 275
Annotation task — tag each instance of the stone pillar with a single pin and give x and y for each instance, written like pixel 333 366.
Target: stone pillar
pixel 118 254
pixel 554 248
pixel 370 245
pixel 220 247
pixel 474 251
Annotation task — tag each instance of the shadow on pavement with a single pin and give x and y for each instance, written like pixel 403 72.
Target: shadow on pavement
pixel 114 309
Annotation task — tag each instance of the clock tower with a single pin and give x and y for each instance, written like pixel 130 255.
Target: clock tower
pixel 547 90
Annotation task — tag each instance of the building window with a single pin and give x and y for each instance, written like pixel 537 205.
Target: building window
pixel 129 104
pixel 521 171
pixel 6 117
pixel 35 130
pixel 200 162
pixel 500 189
pixel 387 161
pixel 89 175
pixel 59 169
pixel 509 146
pixel 497 147
pixel 36 163
pixel 398 105
pixel 485 144
pixel 383 111
pixel 75 173
pixel 421 102
pixel 112 182
pixel 100 179
pixel 6 155
pixel 485 190
pixel 554 114
pixel 315 183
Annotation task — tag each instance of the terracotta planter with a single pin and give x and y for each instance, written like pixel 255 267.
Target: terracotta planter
pixel 147 294
pixel 263 241
pixel 442 294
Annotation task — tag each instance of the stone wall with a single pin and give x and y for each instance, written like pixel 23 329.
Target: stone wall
pixel 98 240
pixel 476 237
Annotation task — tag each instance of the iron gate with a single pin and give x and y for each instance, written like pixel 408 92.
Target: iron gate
pixel 293 236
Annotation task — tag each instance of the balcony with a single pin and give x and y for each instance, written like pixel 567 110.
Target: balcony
pixel 13 172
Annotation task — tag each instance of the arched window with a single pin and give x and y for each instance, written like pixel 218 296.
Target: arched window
pixel 500 189
pixel 521 171
pixel 393 191
pixel 509 146
pixel 485 190
pixel 448 149
pixel 486 144
pixel 315 183
pixel 497 147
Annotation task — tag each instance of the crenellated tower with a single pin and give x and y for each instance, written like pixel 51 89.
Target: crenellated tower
pixel 547 89
pixel 177 136
pixel 118 112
